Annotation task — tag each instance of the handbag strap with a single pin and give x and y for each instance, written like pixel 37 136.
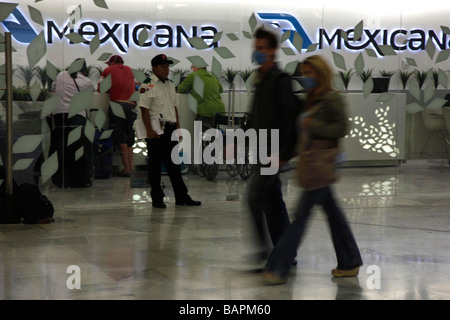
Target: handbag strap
pixel 76 84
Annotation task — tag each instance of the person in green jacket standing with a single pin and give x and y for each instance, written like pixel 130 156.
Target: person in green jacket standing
pixel 209 102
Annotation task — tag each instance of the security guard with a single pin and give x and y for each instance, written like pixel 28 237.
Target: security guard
pixel 159 98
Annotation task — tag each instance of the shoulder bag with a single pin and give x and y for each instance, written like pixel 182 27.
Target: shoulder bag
pixel 317 161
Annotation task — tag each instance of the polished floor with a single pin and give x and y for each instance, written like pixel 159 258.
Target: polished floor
pixel 108 243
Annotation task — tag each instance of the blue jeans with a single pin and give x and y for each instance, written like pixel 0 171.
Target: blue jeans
pixel 347 252
pixel 266 203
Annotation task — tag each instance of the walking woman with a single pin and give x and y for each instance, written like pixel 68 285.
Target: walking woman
pixel 328 123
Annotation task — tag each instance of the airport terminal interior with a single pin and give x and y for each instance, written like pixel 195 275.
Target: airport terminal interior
pixel 124 249
pixel 107 241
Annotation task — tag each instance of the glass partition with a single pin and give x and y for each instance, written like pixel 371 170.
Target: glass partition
pixel 391 123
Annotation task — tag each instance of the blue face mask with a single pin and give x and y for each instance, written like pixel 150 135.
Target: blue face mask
pixel 259 57
pixel 308 83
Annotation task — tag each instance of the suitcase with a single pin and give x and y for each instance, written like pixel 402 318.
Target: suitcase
pixel 103 150
pixel 72 171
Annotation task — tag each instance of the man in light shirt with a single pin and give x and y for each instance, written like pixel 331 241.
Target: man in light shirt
pixel 158 98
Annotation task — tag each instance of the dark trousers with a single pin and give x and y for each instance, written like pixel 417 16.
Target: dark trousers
pixel 159 151
pixel 347 252
pixel 267 207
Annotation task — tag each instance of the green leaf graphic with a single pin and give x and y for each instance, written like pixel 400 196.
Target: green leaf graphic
pixel 51 71
pixel 411 62
pixel 35 90
pixel 368 87
pixel 100 118
pixel 247 34
pixel 105 56
pixel 105 85
pixel 22 164
pixel 359 64
pixel 358 31
pixel 89 131
pixel 75 37
pixel 387 50
pixel 312 47
pixel 143 36
pixel 216 68
pixel 199 85
pixel 339 60
pixel 428 92
pixel 217 37
pixel 252 22
pixel 36 50
pixel 94 44
pixel 106 134
pixel 437 104
pixel 430 48
pixel 79 153
pixel 27 143
pixel 297 41
pixel 288 51
pixel 371 53
pixel 443 55
pixel 6 9
pixel 413 107
pixel 80 101
pixel 49 167
pixel 36 15
pixel 76 65
pixel 232 37
pixel 117 110
pixel 49 106
pixel 198 43
pixel 224 53
pixel 74 135
pixel 197 61
pixel 192 103
pixel 101 4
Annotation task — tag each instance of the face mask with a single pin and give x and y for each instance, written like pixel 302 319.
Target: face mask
pixel 308 83
pixel 259 57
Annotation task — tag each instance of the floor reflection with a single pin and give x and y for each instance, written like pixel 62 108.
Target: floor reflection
pixel 126 249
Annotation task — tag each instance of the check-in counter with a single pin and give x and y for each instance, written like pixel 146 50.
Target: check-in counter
pixel 380 133
pixel 377 129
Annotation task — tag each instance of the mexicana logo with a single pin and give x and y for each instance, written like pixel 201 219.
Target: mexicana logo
pixel 20 29
pixel 292 23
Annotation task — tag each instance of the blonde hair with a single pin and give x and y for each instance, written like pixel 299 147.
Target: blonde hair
pixel 325 73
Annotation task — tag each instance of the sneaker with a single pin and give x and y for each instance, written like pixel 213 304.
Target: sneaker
pixel 345 273
pixel 272 279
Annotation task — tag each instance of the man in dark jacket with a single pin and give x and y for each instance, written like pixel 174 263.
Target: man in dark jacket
pixel 274 106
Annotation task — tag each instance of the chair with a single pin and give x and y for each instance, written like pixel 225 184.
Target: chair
pixel 436 125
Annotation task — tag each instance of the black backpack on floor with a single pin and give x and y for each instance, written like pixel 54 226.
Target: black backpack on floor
pixel 33 206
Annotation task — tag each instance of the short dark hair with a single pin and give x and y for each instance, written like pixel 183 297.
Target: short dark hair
pixel 261 33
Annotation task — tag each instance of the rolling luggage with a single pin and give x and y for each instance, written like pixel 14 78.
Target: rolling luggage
pixel 75 163
pixel 103 150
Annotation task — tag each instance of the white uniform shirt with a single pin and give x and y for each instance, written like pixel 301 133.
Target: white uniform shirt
pixel 65 88
pixel 160 98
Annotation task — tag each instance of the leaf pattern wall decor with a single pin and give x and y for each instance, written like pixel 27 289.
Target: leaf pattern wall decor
pixel 37 50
